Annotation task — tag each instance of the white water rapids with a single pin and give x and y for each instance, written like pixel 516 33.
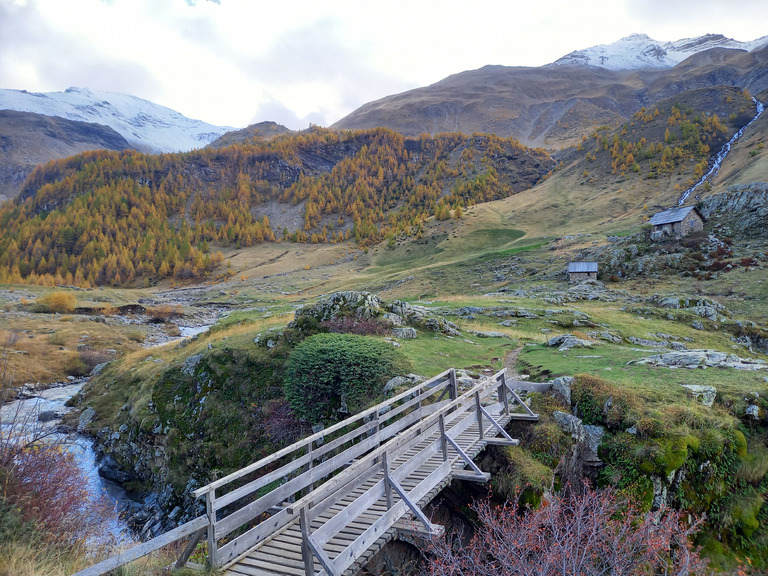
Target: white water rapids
pixel 721 155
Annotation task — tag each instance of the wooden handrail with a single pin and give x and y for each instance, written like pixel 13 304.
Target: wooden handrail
pixel 120 559
pixel 302 444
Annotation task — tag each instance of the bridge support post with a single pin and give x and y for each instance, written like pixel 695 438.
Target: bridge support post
pixel 306 552
pixel 453 386
pixel 210 512
pixel 443 441
pixel 502 393
pixel 387 479
pixel 479 410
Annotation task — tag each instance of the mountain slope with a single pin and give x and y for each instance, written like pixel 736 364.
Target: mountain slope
pixel 147 126
pixel 28 139
pixel 114 218
pixel 553 106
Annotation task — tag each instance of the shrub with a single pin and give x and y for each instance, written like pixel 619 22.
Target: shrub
pixel 49 490
pixel 349 325
pixel 593 532
pixel 56 302
pixel 328 374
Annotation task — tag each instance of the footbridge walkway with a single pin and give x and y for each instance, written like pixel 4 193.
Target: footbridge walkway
pixel 328 503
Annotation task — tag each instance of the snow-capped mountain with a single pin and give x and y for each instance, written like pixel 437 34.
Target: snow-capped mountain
pixel 146 125
pixel 641 51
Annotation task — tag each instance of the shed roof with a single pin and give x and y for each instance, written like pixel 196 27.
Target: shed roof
pixel 582 267
pixel 673 215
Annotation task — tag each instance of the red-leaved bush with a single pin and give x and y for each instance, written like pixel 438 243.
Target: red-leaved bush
pixel 347 325
pixel 581 533
pixel 46 483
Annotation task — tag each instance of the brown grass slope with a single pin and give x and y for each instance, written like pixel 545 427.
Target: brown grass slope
pixel 552 105
pixel 259 132
pixel 28 139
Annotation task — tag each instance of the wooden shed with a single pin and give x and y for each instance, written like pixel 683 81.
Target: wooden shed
pixel 677 222
pixel 580 271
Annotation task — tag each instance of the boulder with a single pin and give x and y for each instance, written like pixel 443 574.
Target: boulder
pixel 587 436
pixel 395 382
pixel 404 332
pixel 567 341
pixel 703 394
pixel 111 470
pixel 605 335
pixel 488 334
pixel 362 305
pixel 647 343
pixel 703 359
pixel 753 411
pixel 86 417
pixel 190 364
pixel 562 386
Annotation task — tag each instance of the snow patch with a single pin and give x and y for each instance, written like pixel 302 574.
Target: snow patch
pixel 146 125
pixel 638 51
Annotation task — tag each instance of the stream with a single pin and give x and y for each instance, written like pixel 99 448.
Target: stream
pixel 45 409
pixel 759 107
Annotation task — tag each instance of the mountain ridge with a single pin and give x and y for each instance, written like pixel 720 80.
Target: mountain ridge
pixel 640 51
pixel 553 106
pixel 147 126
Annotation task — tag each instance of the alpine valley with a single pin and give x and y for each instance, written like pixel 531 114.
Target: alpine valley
pixel 183 271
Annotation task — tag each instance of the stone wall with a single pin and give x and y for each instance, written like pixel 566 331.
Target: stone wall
pixel 581 276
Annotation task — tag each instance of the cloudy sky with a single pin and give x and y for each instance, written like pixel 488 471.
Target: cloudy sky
pixel 236 62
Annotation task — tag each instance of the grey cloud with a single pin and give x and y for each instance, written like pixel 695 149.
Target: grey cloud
pixel 277 112
pixel 60 59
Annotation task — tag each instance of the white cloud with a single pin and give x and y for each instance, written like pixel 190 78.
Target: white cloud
pixel 233 62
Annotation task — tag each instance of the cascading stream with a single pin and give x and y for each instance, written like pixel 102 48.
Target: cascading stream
pixel 722 154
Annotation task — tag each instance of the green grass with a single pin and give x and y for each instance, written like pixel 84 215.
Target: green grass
pixel 657 385
pixel 431 354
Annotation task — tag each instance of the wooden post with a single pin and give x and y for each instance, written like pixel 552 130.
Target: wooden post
pixel 306 552
pixel 453 391
pixel 376 431
pixel 309 466
pixel 196 537
pixel 503 392
pixel 210 498
pixel 387 479
pixel 479 414
pixel 443 441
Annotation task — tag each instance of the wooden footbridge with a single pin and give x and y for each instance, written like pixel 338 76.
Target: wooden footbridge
pixel 328 503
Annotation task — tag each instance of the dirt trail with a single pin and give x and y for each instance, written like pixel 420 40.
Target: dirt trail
pixel 510 360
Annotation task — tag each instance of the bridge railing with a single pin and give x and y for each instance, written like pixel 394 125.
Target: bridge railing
pixel 246 506
pixel 261 498
pixel 445 425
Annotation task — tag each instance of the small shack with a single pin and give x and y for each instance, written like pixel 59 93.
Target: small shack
pixel 676 222
pixel 580 271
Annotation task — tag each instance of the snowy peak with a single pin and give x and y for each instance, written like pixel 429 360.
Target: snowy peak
pixel 146 125
pixel 641 51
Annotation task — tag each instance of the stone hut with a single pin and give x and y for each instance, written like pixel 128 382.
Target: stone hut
pixel 580 271
pixel 676 222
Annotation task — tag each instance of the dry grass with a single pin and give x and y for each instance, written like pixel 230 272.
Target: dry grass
pixel 18 559
pixel 43 345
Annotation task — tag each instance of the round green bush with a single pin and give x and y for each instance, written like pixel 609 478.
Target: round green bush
pixel 329 371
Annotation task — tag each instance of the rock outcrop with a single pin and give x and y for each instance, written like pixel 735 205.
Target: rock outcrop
pixel 702 359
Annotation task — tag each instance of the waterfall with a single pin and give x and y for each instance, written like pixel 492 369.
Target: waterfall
pixel 722 154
